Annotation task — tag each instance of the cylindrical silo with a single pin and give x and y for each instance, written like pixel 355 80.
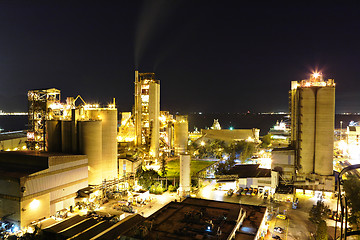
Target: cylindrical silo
pixel 185 177
pixel 324 141
pixel 67 136
pixel 180 134
pixel 154 115
pixel 307 129
pixel 90 143
pixel 109 143
pixel 53 135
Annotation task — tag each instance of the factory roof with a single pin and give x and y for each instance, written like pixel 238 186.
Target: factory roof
pixel 196 218
pixel 12 135
pixel 249 170
pixel 17 164
pixel 83 228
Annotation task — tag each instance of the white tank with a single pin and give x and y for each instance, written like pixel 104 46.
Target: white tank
pixel 90 143
pixel 325 118
pixel 307 130
pixel 109 143
pixel 185 177
pixel 181 134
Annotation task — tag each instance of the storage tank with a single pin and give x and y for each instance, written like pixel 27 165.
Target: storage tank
pixel 307 129
pixel 53 135
pixel 181 134
pixel 154 114
pixel 109 143
pixel 66 136
pixel 324 141
pixel 185 177
pixel 90 143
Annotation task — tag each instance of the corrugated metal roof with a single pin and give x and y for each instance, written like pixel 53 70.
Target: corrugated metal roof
pixel 12 135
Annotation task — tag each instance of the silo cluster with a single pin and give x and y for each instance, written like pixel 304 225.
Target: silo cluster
pixel 312 118
pixel 93 132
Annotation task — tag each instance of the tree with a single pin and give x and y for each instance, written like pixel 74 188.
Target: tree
pixel 146 177
pixel 266 140
pixel 163 169
pixel 321 232
pixel 247 149
pixel 318 212
pixel 352 193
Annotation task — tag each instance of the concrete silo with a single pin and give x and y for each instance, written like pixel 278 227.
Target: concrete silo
pixel 181 127
pixel 109 143
pixel 312 125
pixel 325 118
pixel 307 130
pixel 185 175
pixel 53 135
pixel 67 133
pixel 90 143
pixel 154 121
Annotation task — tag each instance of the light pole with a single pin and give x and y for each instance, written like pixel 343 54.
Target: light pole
pixel 341 122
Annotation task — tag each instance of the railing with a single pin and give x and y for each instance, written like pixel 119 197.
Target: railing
pixel 344 233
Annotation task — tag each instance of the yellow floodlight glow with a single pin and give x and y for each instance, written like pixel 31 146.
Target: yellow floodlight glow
pixel 202 143
pixel 34 204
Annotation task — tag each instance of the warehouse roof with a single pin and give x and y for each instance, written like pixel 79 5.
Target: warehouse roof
pixel 249 170
pixel 12 135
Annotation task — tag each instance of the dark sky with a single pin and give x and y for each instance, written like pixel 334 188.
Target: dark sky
pixel 210 56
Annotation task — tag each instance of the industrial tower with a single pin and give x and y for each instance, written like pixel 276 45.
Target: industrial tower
pixel 43 106
pixel 147 112
pixel 66 128
pixel 312 108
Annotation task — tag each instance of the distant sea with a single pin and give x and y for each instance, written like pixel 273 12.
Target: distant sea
pixel 205 120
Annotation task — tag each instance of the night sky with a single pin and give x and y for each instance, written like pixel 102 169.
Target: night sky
pixel 210 56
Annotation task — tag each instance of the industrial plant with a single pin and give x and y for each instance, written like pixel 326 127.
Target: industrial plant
pixel 79 155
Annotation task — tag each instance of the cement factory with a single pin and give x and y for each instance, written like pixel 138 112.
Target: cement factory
pixel 76 148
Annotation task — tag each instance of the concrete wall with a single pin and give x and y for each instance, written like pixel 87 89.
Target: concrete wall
pixel 33 209
pixel 65 176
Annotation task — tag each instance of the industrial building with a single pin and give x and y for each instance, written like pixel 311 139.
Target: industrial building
pixel 227 135
pixel 66 128
pixel 196 218
pixel 150 130
pixel 308 161
pixel 37 185
pixel 13 141
pixel 249 176
pixel 147 111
